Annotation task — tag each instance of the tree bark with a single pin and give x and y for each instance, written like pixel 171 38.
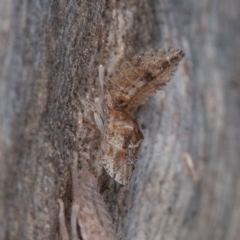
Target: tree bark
pixel 50 52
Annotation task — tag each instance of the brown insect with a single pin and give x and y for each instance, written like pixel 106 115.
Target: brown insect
pixel 127 88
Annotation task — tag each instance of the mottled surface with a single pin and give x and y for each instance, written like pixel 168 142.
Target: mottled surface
pixel 49 57
pixel 89 212
pixel 138 79
pixel 127 88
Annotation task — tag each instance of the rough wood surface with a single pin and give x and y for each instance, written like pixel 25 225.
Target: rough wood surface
pixel 186 184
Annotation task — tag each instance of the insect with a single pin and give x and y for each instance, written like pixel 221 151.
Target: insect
pixel 125 89
pixel 89 211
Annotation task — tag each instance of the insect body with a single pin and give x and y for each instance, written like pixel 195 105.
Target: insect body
pixel 127 88
pixel 122 137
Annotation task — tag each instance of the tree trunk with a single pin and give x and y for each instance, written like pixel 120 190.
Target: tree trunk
pixel 186 184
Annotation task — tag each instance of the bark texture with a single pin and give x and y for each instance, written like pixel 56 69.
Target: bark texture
pixel 49 57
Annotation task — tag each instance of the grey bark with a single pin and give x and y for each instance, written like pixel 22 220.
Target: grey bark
pixel 50 52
